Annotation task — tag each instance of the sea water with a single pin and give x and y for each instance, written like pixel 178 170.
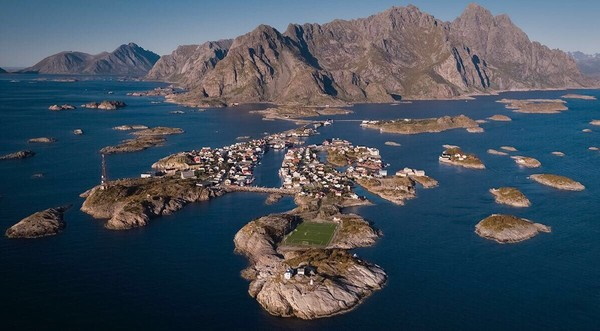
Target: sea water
pixel 180 272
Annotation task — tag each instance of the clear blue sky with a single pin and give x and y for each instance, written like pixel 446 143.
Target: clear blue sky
pixel 33 29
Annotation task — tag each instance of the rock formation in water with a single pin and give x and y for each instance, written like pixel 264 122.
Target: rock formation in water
pixel 18 155
pixel 508 228
pixel 335 281
pixel 129 59
pixel 558 182
pixel 399 53
pixel 130 203
pixel 43 223
pixel 2 71
pixel 105 105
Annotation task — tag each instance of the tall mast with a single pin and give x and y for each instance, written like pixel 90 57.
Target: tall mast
pixel 103 177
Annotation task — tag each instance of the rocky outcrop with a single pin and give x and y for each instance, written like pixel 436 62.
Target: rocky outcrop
pixel 527 162
pixel 558 182
pixel 578 96
pixel 61 107
pixel 333 280
pixel 500 118
pixel 131 203
pixel 18 155
pixel 510 196
pixel 414 126
pixel 129 59
pixel 2 71
pixel 43 223
pixel 145 138
pixel 42 140
pixel 508 228
pixel 535 106
pixel 401 53
pixel 105 105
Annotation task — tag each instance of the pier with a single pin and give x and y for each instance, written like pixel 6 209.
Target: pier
pixel 261 189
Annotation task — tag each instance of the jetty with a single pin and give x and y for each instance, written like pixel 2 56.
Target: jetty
pixel 261 189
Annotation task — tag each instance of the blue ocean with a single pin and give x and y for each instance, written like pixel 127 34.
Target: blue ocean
pixel 181 272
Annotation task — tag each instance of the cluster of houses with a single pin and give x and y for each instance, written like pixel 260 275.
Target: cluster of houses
pixel 305 270
pixel 408 172
pixel 365 162
pixel 234 164
pixel 453 154
pixel 230 165
pixel 301 168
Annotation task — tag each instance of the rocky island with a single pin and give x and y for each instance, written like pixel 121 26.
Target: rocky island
pixel 500 118
pixel 535 106
pixel 558 182
pixel 510 196
pixel 41 140
pixel 527 162
pixel 43 223
pixel 61 107
pixel 578 96
pixel 145 138
pixel 306 283
pixel 508 229
pixel 496 152
pixel 130 203
pixel 414 126
pixel 18 155
pixel 298 112
pixel 455 156
pixel 130 127
pixel 105 105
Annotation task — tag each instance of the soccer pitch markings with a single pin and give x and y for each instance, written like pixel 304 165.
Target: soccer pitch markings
pixel 311 233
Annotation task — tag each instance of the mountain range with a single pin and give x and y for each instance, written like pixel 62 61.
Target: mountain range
pixel 589 64
pixel 2 71
pixel 129 59
pixel 401 53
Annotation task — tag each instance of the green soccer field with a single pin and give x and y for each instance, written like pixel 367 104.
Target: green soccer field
pixel 311 234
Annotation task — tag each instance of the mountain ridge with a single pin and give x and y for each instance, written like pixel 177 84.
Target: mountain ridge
pixel 400 53
pixel 127 59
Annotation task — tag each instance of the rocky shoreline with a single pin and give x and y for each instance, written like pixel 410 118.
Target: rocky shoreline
pixel 40 224
pixel 130 203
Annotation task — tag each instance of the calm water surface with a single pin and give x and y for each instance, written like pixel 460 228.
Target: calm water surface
pixel 181 272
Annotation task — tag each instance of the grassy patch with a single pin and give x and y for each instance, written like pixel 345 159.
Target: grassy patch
pixel 311 234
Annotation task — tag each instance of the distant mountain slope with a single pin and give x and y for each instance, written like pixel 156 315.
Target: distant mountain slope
pixel 128 59
pixel 589 64
pixel 2 71
pixel 399 53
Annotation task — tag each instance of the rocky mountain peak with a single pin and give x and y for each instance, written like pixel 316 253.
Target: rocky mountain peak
pixel 399 53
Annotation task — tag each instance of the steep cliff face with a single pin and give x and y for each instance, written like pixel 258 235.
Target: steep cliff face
pixel 129 59
pixel 513 61
pixel 399 53
pixel 588 64
pixel 188 64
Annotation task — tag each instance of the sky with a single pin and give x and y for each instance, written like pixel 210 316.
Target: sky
pixel 33 29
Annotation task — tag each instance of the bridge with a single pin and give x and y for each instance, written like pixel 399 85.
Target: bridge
pixel 260 189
